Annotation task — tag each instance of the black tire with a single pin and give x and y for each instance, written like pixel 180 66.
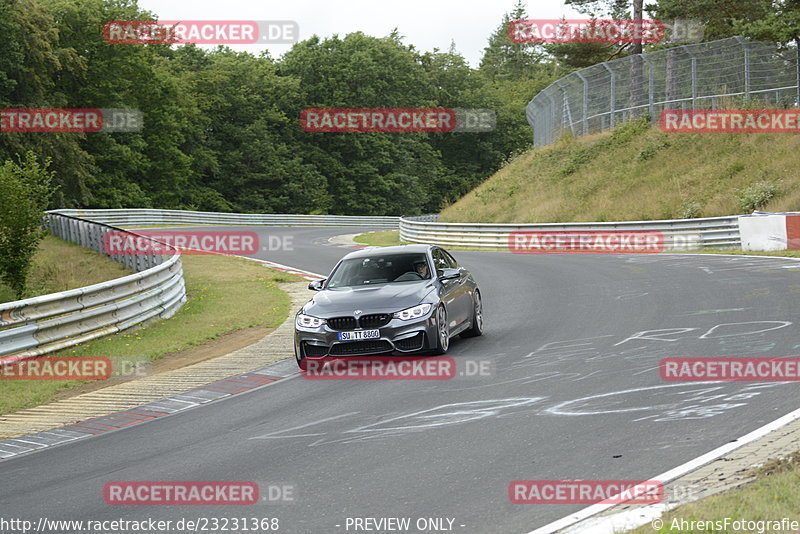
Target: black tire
pixel 442 331
pixel 477 318
pixel 302 363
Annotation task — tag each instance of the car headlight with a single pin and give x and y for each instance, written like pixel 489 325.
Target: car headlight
pixel 413 313
pixel 308 321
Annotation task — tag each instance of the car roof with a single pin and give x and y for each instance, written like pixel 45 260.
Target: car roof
pixel 385 251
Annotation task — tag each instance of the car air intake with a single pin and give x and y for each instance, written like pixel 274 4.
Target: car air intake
pixel 353 348
pixel 314 351
pixel 375 321
pixel 342 323
pixel 410 343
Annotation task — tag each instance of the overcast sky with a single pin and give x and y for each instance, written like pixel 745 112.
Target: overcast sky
pixel 427 24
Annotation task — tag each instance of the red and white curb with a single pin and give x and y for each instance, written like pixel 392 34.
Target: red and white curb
pixel 308 275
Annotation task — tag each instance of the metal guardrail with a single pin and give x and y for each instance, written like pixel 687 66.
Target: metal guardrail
pixel 38 325
pixel 713 231
pixel 150 217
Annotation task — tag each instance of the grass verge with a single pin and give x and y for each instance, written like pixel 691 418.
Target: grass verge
pixel 771 497
pixel 638 172
pixel 59 265
pixel 225 294
pixel 380 239
pixel 781 253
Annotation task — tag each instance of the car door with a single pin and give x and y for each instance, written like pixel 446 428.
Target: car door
pixel 452 289
pixel 463 298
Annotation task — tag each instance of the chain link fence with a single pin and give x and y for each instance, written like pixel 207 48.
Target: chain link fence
pixel 715 75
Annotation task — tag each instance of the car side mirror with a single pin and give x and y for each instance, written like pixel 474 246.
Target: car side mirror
pixel 316 285
pixel 449 274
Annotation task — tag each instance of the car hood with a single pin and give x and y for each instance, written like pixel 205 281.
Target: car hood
pixel 368 299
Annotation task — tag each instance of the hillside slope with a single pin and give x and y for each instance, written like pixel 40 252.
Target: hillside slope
pixel 638 172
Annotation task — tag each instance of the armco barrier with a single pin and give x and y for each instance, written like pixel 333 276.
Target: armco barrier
pixel 149 217
pixel 714 231
pixel 39 325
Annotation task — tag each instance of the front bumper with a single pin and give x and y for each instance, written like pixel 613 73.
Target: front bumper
pixel 395 337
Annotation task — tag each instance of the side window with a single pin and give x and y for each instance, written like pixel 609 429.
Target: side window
pixel 439 259
pixel 451 260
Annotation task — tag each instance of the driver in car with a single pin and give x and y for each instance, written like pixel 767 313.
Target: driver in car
pixel 422 269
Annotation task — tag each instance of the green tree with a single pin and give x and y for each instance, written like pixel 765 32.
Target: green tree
pixel 506 59
pixel 572 56
pixel 721 18
pixel 31 61
pixel 25 190
pixel 366 173
pixel 780 25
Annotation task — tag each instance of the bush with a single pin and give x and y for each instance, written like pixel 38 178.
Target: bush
pixel 691 209
pixel 25 190
pixel 757 195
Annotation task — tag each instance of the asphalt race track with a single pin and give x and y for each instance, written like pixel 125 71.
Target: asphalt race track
pixel 575 342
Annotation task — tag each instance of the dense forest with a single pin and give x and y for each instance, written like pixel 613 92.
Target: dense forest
pixel 221 129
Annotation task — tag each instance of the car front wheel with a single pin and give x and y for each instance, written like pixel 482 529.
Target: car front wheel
pixel 442 331
pixel 477 318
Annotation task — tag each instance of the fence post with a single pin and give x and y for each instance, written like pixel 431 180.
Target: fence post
pixel 797 65
pixel 613 93
pixel 694 75
pixel 746 48
pixel 650 87
pixel 585 102
pixel 550 120
pixel 566 113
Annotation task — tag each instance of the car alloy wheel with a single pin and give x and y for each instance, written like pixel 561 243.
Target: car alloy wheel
pixel 442 331
pixel 477 318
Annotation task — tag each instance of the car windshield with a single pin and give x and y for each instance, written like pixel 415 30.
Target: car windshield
pixel 380 269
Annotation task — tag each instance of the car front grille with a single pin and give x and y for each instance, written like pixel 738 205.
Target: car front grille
pixel 376 320
pixel 342 323
pixel 352 348
pixel 410 343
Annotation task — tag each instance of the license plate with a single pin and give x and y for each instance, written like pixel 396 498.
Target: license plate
pixel 359 334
